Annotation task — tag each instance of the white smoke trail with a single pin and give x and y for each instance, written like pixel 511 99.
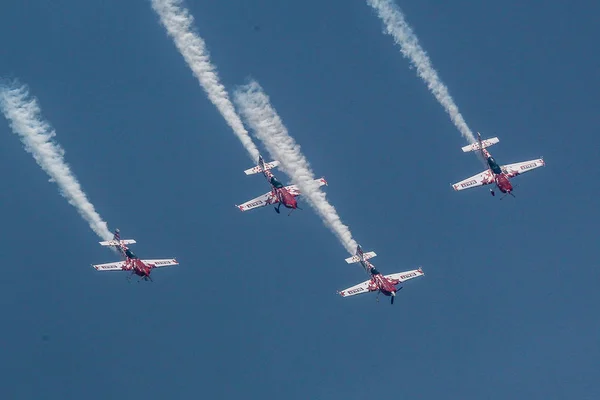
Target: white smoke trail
pixel 24 116
pixel 397 27
pixel 178 22
pixel 257 111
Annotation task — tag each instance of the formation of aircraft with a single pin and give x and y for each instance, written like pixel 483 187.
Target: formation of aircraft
pixel 131 262
pixel 388 285
pixel 500 175
pixel 279 194
pixel 382 284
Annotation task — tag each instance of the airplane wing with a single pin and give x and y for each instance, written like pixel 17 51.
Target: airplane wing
pixel 167 262
pixel 260 201
pixel 295 191
pixel 117 242
pixel 356 289
pixel 484 178
pixel 512 170
pixel 406 275
pixel 113 266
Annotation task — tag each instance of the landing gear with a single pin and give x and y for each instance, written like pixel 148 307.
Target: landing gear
pixel 277 208
pixel 492 192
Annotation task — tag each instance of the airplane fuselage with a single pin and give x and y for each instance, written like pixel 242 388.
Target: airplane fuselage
pixel 139 268
pixel 381 283
pixel 133 263
pixel 284 197
pixel 500 178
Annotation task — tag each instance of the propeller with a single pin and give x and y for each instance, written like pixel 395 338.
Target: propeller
pixel 511 192
pixel 506 194
pixel 394 294
pixel 290 213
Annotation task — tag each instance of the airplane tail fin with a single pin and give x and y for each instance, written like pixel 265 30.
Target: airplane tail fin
pixel 360 256
pixel 261 166
pixel 481 144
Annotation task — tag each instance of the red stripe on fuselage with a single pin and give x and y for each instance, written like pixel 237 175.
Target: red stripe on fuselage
pixel 384 284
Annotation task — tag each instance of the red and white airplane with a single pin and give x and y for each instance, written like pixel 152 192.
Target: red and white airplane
pixel 499 175
pixel 131 262
pixel 279 194
pixel 385 284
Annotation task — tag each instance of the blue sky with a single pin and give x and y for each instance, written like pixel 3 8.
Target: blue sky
pixel 508 306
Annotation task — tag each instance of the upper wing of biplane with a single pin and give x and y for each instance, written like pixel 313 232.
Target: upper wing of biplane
pixel 484 178
pixel 356 289
pixel 113 266
pixel 295 191
pixel 406 275
pixel 519 168
pixel 167 262
pixel 260 201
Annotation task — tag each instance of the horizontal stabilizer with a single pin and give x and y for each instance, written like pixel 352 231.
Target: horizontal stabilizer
pixel 258 168
pixel 355 259
pixel 117 242
pixel 484 143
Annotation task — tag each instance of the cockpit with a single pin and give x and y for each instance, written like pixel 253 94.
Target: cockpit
pixel 130 254
pixel 374 271
pixel 276 183
pixel 494 166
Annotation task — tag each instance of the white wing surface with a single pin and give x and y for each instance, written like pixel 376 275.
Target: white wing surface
pixel 484 143
pixel 117 242
pixel 520 168
pixel 295 191
pixel 405 276
pixel 260 201
pixel 366 256
pixel 167 262
pixel 257 169
pixel 483 178
pixel 113 266
pixel 356 289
